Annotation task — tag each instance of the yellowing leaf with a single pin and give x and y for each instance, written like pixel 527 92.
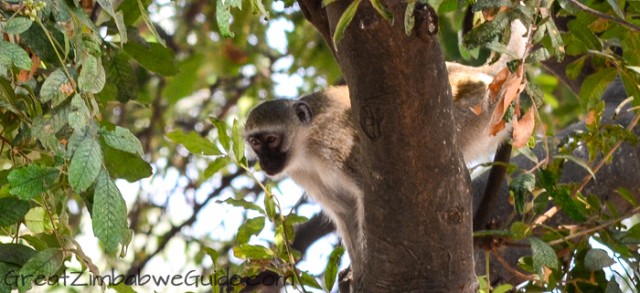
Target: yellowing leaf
pixel 523 128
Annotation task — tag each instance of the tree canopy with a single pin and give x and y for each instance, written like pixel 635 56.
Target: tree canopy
pixel 122 151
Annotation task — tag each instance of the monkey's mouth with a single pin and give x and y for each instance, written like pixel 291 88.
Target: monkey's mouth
pixel 275 165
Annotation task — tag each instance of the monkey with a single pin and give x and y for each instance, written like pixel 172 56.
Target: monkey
pixel 314 141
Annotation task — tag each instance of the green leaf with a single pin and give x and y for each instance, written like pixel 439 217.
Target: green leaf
pixel 636 69
pixel 632 236
pixel 447 6
pixel 184 83
pixel 344 21
pixel 575 68
pixel 481 5
pixel 125 165
pixel 238 141
pixel 12 211
pixel 8 270
pixel 520 230
pixel 578 161
pixel 223 15
pixel 18 25
pixel 269 205
pixel 85 164
pixel 243 204
pixel 44 263
pixel 122 139
pixel 223 137
pixel 292 219
pixel 79 115
pixel 92 77
pixel 213 254
pixel 331 271
pixel 594 85
pixel 215 166
pixel 29 181
pixel 109 213
pixel 36 220
pixel 522 185
pixel 574 209
pixel 121 288
pixel 38 42
pixel 585 35
pixel 16 254
pixel 503 288
pixel 194 143
pixel 153 56
pixel 149 23
pixel 630 81
pixel 118 18
pixel 120 75
pixel 13 54
pixel 51 88
pixel 107 6
pixel 76 139
pixel 597 259
pixel 626 195
pixel 557 44
pixel 258 7
pixel 131 10
pixel 309 280
pixel 543 256
pixel 249 228
pixel 616 8
pixel 409 18
pixel 379 7
pixel 253 252
pixel 487 31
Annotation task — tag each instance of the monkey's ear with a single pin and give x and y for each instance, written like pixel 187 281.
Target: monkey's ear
pixel 303 111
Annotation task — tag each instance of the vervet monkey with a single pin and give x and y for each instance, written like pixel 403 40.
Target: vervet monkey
pixel 314 141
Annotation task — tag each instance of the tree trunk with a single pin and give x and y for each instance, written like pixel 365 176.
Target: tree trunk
pixel 417 199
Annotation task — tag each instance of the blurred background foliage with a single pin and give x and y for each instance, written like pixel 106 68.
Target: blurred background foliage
pixel 106 104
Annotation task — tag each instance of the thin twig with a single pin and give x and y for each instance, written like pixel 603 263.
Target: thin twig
pixel 596 228
pixel 605 16
pixel 510 268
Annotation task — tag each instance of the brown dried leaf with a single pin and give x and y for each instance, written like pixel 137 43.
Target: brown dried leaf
pixel 591 117
pixel 66 88
pixel 489 14
pixel 496 84
pixel 25 75
pixel 523 128
pixel 511 89
pixel 513 86
pixel 497 127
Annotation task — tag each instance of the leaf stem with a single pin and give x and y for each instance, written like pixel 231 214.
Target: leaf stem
pixel 53 45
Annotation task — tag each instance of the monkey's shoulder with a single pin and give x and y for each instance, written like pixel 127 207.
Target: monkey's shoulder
pixel 335 97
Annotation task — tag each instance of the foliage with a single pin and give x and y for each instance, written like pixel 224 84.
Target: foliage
pixel 95 95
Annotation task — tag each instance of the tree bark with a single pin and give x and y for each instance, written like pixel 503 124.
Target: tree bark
pixel 417 200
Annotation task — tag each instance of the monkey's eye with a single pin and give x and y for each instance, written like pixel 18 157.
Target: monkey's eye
pixel 254 142
pixel 272 140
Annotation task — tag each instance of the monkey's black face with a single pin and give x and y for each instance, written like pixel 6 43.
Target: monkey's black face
pixel 268 147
